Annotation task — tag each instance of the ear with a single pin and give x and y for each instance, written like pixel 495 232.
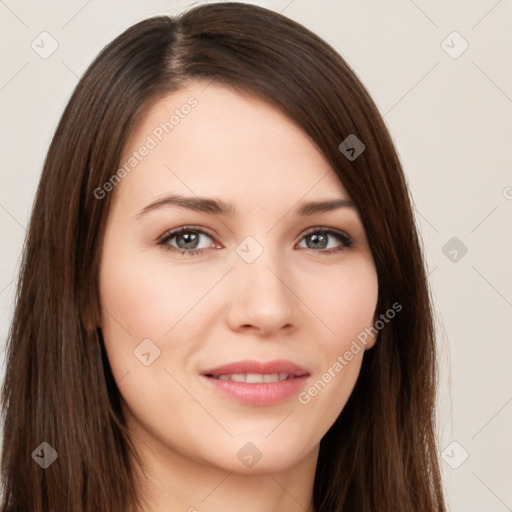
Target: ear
pixel 373 335
pixel 91 318
pixel 371 341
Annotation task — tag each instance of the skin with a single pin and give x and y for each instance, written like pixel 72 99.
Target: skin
pixel 214 308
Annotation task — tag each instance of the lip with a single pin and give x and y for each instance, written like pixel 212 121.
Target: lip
pixel 264 393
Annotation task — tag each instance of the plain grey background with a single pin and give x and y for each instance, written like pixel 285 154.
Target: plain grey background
pixel 441 75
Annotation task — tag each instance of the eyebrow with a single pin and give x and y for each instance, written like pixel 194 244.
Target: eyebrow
pixel 219 207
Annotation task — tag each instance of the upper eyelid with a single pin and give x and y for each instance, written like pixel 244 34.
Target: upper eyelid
pixel 176 231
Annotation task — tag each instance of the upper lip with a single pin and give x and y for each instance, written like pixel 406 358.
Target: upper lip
pixel 263 367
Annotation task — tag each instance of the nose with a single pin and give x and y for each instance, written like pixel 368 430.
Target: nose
pixel 262 296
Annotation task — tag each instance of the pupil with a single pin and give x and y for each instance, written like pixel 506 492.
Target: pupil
pixel 193 236
pixel 315 238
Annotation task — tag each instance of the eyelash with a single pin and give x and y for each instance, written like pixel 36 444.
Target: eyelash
pixel 346 241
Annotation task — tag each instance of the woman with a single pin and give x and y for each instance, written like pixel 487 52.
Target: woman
pixel 222 303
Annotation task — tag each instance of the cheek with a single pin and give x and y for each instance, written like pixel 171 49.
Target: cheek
pixel 143 298
pixel 345 301
pixel 147 296
pixel 347 307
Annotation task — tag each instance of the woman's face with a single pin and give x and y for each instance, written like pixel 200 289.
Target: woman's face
pixel 261 286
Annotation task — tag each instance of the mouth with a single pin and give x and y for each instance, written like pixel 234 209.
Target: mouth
pixel 256 382
pixel 253 378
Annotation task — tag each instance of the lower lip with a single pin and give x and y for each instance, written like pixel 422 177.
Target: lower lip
pixel 265 393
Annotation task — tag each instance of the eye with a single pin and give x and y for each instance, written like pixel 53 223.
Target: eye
pixel 186 240
pixel 319 238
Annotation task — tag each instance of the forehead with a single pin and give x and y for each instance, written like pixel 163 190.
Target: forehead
pixel 210 140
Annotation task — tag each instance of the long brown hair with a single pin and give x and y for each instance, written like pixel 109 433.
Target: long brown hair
pixel 380 454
